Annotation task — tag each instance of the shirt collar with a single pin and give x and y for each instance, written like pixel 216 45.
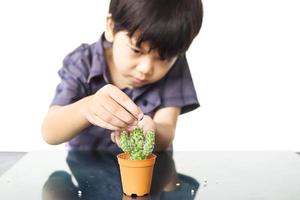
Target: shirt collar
pixel 99 66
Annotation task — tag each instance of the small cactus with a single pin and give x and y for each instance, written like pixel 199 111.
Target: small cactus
pixel 136 144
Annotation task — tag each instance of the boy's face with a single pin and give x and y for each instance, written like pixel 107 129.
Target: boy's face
pixel 134 67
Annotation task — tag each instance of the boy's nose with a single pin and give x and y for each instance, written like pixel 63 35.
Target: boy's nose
pixel 145 67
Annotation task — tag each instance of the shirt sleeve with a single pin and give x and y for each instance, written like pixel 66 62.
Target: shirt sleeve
pixel 73 73
pixel 178 88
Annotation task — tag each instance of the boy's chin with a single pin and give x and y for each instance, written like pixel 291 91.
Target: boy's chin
pixel 139 85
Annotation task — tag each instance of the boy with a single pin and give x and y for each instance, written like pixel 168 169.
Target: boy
pixel 135 75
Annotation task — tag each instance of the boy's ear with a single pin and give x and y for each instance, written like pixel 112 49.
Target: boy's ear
pixel 109 32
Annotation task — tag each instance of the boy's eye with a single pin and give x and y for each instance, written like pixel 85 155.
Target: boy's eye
pixel 165 59
pixel 136 51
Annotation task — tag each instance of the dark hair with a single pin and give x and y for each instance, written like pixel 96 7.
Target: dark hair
pixel 168 25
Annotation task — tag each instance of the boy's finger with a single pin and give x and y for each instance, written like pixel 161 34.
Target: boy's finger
pixel 112 137
pixel 110 117
pixel 130 128
pixel 114 108
pixel 101 123
pixel 120 97
pixel 117 139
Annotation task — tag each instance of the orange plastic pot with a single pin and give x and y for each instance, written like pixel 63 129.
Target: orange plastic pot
pixel 136 175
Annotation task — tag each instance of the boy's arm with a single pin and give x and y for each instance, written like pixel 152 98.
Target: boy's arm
pixel 62 123
pixel 165 120
pixel 108 108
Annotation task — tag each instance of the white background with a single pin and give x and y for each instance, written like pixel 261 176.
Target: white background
pixel 245 64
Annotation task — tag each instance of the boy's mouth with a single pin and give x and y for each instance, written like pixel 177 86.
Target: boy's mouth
pixel 137 80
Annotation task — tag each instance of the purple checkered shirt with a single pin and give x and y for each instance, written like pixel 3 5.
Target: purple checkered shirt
pixel 85 71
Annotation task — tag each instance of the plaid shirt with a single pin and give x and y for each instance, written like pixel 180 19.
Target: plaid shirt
pixel 85 71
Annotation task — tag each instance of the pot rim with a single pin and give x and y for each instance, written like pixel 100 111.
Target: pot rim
pixel 124 161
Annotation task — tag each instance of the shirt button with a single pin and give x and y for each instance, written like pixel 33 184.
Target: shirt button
pixel 145 102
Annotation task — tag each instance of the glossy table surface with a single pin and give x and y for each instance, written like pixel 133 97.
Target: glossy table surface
pixel 177 176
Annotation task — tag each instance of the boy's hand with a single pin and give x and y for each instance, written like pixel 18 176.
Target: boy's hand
pixel 112 109
pixel 145 124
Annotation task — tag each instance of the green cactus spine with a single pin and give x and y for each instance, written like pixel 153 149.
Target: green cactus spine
pixel 136 144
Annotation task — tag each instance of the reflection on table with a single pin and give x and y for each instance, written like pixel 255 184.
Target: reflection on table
pixel 95 175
